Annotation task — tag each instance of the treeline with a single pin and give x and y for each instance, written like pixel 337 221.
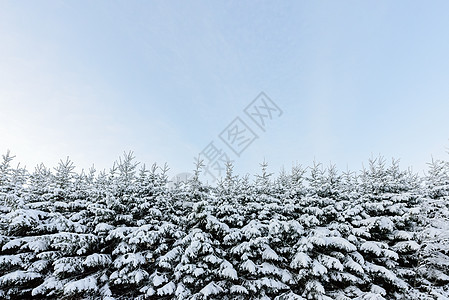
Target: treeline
pixel 311 233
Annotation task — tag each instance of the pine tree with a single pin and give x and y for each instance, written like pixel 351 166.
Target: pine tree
pixel 433 269
pixel 385 229
pixel 125 234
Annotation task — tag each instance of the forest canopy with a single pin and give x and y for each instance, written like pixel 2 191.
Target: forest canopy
pixel 309 233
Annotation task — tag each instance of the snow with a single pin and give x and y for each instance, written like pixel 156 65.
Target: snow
pixel 213 259
pixel 318 269
pixel 267 268
pixel 211 289
pixel 19 277
pixel 159 280
pixel 82 285
pixel 330 262
pixel 371 247
pixel 378 290
pixel 376 235
pixel 238 289
pixel 11 260
pixel 103 227
pixel 371 296
pixel 273 283
pixel 38 245
pixel 67 265
pixel 228 271
pixel 13 244
pixel 289 296
pixel 301 259
pixel 167 289
pixel 351 264
pixel 407 246
pixel 139 275
pixel 97 260
pixel 129 259
pixel 340 243
pixel 249 266
pixel 270 254
pixel 197 272
pixel 402 235
pixel 50 283
pixel 315 286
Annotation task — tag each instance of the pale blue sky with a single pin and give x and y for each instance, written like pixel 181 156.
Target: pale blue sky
pixel 90 79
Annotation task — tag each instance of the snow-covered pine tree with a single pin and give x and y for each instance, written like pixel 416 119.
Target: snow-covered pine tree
pixel 119 210
pixel 433 235
pixel 125 235
pixel 203 270
pixel 12 181
pixel 152 245
pixel 260 267
pixel 323 258
pixel 66 239
pixel 42 232
pixel 15 279
pixel 384 220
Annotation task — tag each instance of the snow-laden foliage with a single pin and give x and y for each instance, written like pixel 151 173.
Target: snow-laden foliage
pixel 313 233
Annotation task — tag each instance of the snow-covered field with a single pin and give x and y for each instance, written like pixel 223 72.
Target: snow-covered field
pixel 313 233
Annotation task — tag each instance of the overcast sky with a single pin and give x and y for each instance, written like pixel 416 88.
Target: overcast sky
pixel 91 79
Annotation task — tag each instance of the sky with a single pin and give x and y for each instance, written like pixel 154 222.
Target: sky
pixel 352 80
